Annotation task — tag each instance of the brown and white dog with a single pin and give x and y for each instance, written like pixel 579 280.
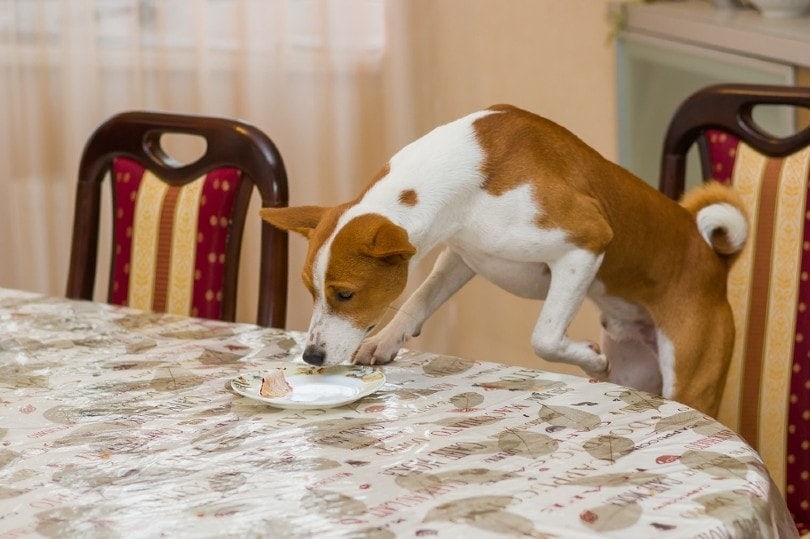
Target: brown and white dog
pixel 526 204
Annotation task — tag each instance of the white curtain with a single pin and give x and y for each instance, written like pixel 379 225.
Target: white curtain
pixel 310 73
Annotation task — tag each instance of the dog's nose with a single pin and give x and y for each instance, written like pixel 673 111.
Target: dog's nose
pixel 314 355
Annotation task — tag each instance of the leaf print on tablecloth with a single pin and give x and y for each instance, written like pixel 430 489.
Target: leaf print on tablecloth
pixel 19 375
pixel 127 365
pixel 226 481
pixel 616 479
pixel 459 450
pixel 446 366
pixel 88 478
pixel 399 394
pixel 610 517
pixel 100 436
pixel 347 433
pixel 221 439
pixel 377 532
pixel 311 464
pixel 466 401
pixel 218 357
pixel 110 411
pixel 609 447
pixel 203 329
pixel 691 419
pixel 141 320
pixel 640 401
pixel 718 465
pixel 728 505
pixel 327 503
pixel 85 521
pixel 26 379
pixel 63 415
pixel 174 379
pixel 485 513
pixel 7 456
pixel 105 343
pixel 527 443
pixel 279 527
pixel 267 346
pixel 466 422
pixel 531 384
pixel 8 493
pixel 429 483
pixel 563 416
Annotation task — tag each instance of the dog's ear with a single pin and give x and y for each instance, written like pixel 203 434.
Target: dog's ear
pixel 300 219
pixel 390 242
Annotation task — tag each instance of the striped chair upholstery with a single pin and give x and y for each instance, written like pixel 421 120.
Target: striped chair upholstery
pixel 177 229
pixel 766 397
pixel 171 241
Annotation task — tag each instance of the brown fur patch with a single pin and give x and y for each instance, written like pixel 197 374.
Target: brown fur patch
pixel 369 258
pixel 408 197
pixel 521 148
pixel 645 236
pixel 711 193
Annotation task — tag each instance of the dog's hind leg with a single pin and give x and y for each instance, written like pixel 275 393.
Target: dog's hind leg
pixel 694 355
pixel 571 277
pixel 449 274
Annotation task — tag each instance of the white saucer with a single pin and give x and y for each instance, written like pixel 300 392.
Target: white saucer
pixel 314 387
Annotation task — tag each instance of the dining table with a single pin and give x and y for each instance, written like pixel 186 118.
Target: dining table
pixel 116 422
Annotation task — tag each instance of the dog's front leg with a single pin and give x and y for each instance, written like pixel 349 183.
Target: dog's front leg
pixel 448 275
pixel 571 276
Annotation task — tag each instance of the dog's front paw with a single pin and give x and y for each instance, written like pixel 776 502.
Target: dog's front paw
pixel 374 351
pixel 599 368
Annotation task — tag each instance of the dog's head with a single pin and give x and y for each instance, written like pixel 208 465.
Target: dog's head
pixel 354 268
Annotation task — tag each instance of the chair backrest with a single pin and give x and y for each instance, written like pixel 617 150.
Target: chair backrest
pixel 767 392
pixel 177 227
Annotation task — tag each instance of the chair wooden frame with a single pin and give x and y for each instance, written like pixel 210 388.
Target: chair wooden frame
pixel 728 107
pixel 229 143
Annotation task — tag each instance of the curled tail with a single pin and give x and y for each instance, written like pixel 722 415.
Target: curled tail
pixel 720 216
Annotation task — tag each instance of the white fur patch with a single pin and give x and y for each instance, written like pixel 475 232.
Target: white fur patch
pixel 723 216
pixel 335 335
pixel 666 362
pixel 441 167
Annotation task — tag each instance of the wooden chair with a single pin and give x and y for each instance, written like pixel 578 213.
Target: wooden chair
pixel 177 227
pixel 767 393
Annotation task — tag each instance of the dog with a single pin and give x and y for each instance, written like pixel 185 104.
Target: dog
pixel 523 202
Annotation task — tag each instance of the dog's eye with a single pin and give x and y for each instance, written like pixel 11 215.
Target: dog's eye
pixel 344 295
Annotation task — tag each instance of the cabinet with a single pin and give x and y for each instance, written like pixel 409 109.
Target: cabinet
pixel 667 50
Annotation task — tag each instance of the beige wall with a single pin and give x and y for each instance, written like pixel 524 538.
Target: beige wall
pixel 550 56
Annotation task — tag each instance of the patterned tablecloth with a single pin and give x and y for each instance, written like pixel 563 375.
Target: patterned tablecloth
pixel 115 422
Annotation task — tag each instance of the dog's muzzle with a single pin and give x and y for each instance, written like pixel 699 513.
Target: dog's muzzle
pixel 314 355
